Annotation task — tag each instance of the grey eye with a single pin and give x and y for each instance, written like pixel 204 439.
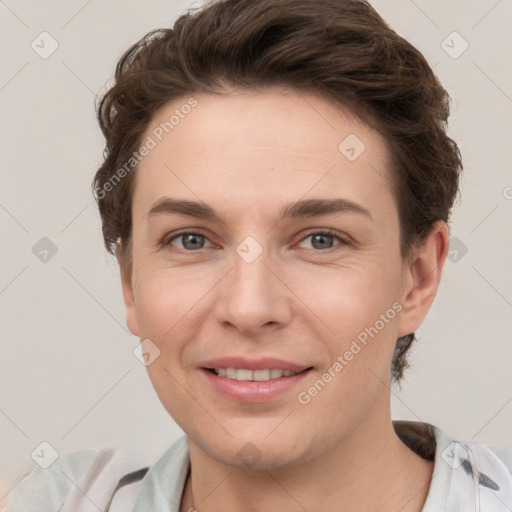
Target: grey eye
pixel 321 241
pixel 190 241
pixel 324 240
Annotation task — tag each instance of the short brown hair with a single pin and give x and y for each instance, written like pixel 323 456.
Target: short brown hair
pixel 340 50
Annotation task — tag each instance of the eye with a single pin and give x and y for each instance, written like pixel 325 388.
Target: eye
pixel 322 239
pixel 191 241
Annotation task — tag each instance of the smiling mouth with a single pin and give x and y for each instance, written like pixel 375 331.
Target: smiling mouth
pixel 242 374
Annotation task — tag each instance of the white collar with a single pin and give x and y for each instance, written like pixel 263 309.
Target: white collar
pixel 466 477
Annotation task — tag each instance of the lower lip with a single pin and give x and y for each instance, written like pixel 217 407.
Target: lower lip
pixel 253 391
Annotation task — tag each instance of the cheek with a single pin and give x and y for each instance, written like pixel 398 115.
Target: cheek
pixel 163 306
pixel 349 297
pixel 164 298
pixel 358 312
pixel 353 314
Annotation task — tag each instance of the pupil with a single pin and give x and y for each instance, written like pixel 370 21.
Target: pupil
pixel 320 237
pixel 193 239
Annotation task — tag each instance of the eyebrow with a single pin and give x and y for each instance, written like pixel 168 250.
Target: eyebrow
pixel 300 209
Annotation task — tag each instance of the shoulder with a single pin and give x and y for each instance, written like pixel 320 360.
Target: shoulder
pixel 504 454
pixel 76 481
pixel 430 442
pixel 475 459
pixel 48 487
pixel 477 472
pixel 465 474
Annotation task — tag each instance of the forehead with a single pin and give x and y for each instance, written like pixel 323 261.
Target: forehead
pixel 260 148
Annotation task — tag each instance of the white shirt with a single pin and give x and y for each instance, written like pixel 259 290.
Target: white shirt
pixel 467 477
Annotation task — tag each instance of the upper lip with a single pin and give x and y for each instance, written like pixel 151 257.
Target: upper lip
pixel 253 364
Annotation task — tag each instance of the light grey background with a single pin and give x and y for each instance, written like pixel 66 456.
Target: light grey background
pixel 68 373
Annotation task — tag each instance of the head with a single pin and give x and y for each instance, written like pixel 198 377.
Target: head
pixel 247 107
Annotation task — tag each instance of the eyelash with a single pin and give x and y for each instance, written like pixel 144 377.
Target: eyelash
pixel 166 242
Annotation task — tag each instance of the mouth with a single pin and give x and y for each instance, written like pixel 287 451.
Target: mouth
pixel 246 375
pixel 254 382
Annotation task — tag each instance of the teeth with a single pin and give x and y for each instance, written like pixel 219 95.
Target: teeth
pixel 250 375
pixel 244 375
pixel 275 374
pixel 230 373
pixel 260 375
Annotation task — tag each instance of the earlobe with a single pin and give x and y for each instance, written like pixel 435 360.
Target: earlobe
pixel 422 274
pixel 128 294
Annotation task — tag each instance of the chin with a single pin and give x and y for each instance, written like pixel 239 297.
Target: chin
pixel 255 450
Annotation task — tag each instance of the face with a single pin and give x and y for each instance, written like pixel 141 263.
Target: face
pixel 290 261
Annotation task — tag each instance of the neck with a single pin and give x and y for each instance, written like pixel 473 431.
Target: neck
pixel 370 467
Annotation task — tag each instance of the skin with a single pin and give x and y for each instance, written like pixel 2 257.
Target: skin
pixel 246 155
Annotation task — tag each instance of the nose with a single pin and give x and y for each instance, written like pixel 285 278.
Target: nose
pixel 254 295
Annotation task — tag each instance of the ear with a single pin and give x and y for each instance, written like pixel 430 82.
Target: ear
pixel 128 295
pixel 421 276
